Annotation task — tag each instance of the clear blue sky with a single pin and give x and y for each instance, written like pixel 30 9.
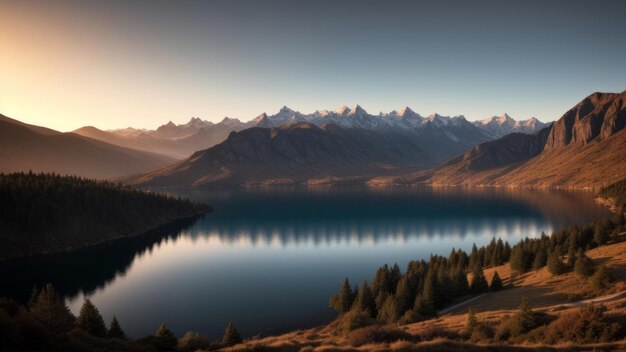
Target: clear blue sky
pixel 141 63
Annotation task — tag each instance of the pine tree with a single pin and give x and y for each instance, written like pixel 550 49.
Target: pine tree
pixel 555 267
pixel 404 297
pixel 430 292
pixel 166 340
pixel 90 320
pixel 52 312
pixel 472 322
pixel 583 265
pixel 517 261
pixel 571 251
pixel 599 234
pixel 342 302
pixel 364 302
pixel 479 282
pixel 601 279
pixel 523 320
pixel 506 253
pixel 424 305
pixel 34 295
pixel 115 331
pixel 496 282
pixel 540 259
pixel 394 277
pixel 231 335
pixel 459 282
pixel 389 311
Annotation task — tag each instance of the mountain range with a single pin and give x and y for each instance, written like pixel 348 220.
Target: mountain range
pixel 584 148
pixel 25 147
pixel 182 140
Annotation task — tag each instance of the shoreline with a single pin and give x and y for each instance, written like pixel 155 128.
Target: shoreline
pixel 118 237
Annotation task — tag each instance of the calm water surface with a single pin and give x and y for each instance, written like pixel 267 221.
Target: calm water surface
pixel 269 259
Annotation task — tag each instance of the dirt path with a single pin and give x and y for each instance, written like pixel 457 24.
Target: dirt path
pixel 600 299
pixel 459 305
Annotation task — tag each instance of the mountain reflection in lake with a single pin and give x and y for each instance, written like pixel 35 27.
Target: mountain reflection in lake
pixel 269 259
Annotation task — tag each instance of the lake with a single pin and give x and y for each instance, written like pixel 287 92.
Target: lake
pixel 268 260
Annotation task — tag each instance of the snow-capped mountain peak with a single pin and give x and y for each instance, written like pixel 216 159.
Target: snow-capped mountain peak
pixel 342 110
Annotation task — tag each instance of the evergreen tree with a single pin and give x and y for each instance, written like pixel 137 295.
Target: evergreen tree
pixel 518 260
pixel 599 234
pixel 479 282
pixel 555 267
pixel 404 297
pixel 540 260
pixel 496 282
pixel 571 251
pixel 32 299
pixel 472 322
pixel 430 292
pixel 601 279
pixel 583 265
pixel 473 258
pixel 231 335
pixel 52 312
pixel 389 311
pixel 523 320
pixel 115 331
pixel 394 277
pixel 506 253
pixel 342 302
pixel 165 338
pixel 90 320
pixel 424 305
pixel 459 282
pixel 364 302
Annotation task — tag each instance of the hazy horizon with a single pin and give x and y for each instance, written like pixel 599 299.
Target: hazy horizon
pixel 70 64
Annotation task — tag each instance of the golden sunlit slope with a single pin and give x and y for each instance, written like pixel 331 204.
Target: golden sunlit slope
pixel 26 147
pixel 556 296
pixel 586 148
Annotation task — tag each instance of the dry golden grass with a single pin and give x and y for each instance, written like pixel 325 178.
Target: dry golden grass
pixel 544 292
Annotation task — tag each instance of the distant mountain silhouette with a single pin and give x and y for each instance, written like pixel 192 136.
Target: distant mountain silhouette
pixel 26 147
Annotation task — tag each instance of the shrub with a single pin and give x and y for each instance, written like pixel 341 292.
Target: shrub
pixel 354 320
pixel 377 334
pixel 192 341
pixel 434 331
pixel 602 279
pixel 583 265
pixel 410 317
pixel 587 325
pixel 481 333
pixel 555 267
pixel 518 324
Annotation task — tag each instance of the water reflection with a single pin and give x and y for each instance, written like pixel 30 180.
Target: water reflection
pixel 268 259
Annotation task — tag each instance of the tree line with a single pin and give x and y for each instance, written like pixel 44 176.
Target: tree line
pixel 427 286
pixel 46 212
pixel 45 323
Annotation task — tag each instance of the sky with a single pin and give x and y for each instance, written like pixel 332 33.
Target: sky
pixel 114 64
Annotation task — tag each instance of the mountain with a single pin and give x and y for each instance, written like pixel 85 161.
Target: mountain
pixel 26 147
pixel 585 148
pixel 500 126
pixel 175 141
pixel 294 153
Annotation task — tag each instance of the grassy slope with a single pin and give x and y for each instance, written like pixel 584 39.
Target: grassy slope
pixel 545 293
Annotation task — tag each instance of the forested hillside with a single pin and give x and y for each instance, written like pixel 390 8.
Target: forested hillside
pixel 617 192
pixel 46 213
